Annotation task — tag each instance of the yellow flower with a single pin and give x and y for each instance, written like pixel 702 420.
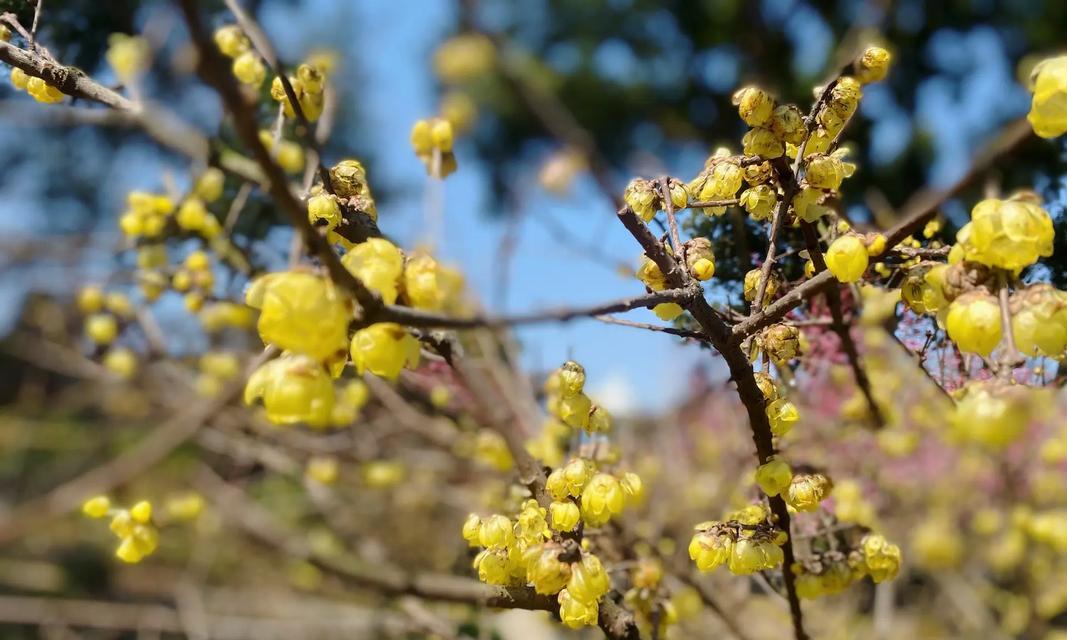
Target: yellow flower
pixel 42 91
pixel 378 264
pixel 464 57
pixel 294 389
pixel 700 258
pixel 807 204
pixel 720 180
pixel 210 184
pixel 300 312
pixel 709 550
pixel 754 105
pixel 249 69
pixel 774 476
pixel 643 197
pixel 974 322
pixel 424 284
pixel 575 613
pixel 668 311
pixel 1039 321
pixel 807 490
pixel 231 41
pixel 384 349
pixel 1048 111
pixel 102 328
pixel 759 201
pixel 322 469
pixel 192 214
pixel 847 258
pixel 881 560
pixel 19 79
pixel 565 515
pixel 788 124
pixel 544 570
pixel 472 530
pixel 141 512
pixel 496 532
pixel 760 141
pixel 1009 234
pixel 574 410
pixel 121 361
pixel 589 580
pixel 993 415
pixel 873 65
pixel 602 498
pixel 127 55
pixel 750 555
pixel 96 507
pixel 185 506
pixel 781 342
pixel 751 285
pixel 824 171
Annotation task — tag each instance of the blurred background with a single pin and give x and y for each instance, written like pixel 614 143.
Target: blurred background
pixel 648 83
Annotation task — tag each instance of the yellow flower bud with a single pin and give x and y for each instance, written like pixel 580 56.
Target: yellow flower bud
pixel 762 142
pixel 1048 116
pixel 881 560
pixel 873 65
pixel 121 361
pixel 974 322
pixel 824 172
pixel 496 532
pixel 575 613
pixel 101 328
pixel 544 570
pixel 249 69
pixel 471 530
pixel 1009 234
pixel 231 41
pixel 300 312
pixel 847 258
pixel 589 580
pixel 807 490
pixel 759 201
pixel 754 105
pixel 602 498
pixel 774 476
pixel 709 550
pixel 378 264
pixel 565 515
pixel 293 389
pixel 96 507
pixel 127 55
pixel 141 512
pixel 384 349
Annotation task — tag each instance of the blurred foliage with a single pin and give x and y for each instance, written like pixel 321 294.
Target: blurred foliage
pixel 650 79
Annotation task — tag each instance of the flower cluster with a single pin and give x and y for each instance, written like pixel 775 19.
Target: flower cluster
pixel 565 399
pixel 138 535
pixel 745 541
pixel 523 552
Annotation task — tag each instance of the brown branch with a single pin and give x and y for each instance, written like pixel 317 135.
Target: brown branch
pixel 149 451
pixel 682 333
pixel 840 327
pixel 161 125
pixel 743 376
pixel 214 70
pixel 266 50
pixel 924 204
pixel 424 319
pixel 260 525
